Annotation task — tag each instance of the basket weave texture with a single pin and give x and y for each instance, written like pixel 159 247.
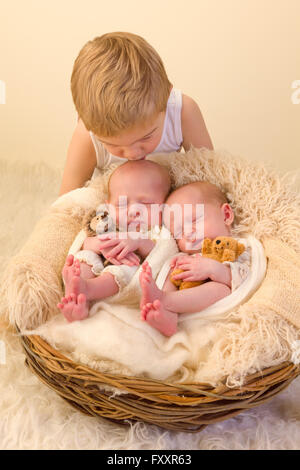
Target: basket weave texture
pixel 186 407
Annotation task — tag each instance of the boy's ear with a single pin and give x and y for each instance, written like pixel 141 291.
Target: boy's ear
pixel 228 214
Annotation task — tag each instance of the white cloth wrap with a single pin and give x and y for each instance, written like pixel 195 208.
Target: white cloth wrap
pixel 122 273
pixel 114 330
pixel 247 274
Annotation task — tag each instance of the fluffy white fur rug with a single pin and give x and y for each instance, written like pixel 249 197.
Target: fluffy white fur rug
pixel 32 416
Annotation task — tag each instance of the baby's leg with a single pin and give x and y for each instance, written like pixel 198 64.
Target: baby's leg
pixel 160 308
pixel 196 298
pixel 86 270
pixel 168 284
pixel 75 305
pixel 70 270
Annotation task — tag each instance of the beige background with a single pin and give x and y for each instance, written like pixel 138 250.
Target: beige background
pixel 237 58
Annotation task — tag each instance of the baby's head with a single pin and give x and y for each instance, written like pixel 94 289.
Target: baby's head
pixel 120 90
pixel 204 212
pixel 137 191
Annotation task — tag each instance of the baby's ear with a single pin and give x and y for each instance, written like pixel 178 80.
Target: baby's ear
pixel 228 214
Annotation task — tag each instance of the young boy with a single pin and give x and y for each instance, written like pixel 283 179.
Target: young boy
pixel 127 108
pixel 144 183
pixel 160 308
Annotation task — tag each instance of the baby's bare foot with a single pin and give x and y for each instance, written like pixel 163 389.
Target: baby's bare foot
pixel 78 285
pixel 150 291
pixel 70 269
pixel 159 317
pixel 74 308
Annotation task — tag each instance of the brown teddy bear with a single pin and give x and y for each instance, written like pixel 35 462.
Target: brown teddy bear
pixel 220 249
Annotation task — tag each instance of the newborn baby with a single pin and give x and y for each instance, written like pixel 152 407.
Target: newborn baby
pixel 161 307
pixel 133 188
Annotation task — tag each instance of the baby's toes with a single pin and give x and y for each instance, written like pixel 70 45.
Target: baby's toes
pixel 81 299
pixel 69 260
pixel 143 313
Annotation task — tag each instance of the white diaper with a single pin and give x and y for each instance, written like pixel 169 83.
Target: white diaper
pixel 122 273
pixel 92 259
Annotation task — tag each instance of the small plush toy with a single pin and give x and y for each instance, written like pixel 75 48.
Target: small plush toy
pixel 98 221
pixel 220 249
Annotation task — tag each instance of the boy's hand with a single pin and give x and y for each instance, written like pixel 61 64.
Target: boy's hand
pixel 197 268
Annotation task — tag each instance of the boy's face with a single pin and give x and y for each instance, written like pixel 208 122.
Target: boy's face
pixel 138 142
pixel 197 219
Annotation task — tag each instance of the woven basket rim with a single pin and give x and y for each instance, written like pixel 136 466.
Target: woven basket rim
pixel 266 376
pixel 186 407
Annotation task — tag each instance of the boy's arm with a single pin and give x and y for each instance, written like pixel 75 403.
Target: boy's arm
pixel 193 127
pixel 81 160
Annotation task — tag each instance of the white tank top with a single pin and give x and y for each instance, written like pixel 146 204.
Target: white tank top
pixel 171 139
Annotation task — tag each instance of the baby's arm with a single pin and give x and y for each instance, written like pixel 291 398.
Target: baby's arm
pixel 81 160
pixel 199 268
pixel 193 127
pixel 122 247
pixel 96 245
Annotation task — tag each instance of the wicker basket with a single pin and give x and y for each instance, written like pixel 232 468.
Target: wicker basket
pixel 187 407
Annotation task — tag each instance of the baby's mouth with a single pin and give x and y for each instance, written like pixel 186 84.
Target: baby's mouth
pixel 194 244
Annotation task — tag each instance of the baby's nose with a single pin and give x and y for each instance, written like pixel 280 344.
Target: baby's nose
pixel 133 213
pixel 189 235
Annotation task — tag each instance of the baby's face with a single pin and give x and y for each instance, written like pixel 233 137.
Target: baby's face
pixel 197 219
pixel 137 202
pixel 136 143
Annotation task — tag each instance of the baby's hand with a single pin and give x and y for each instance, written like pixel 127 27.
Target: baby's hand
pixel 119 248
pixel 195 268
pixel 173 262
pixel 93 244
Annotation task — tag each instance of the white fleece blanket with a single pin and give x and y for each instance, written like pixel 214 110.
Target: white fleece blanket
pixel 115 339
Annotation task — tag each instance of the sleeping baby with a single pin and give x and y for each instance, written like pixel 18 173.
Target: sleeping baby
pixel 160 307
pixel 133 185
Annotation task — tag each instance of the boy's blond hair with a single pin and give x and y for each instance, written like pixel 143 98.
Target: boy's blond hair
pixel 118 81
